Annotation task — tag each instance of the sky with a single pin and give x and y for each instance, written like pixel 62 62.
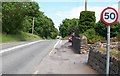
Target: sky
pixel 58 10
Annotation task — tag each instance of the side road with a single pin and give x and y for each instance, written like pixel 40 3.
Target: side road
pixel 62 60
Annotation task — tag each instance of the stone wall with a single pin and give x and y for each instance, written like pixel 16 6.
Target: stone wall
pixel 97 61
pixel 113 45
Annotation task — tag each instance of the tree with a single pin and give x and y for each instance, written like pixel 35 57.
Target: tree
pixel 101 29
pixel 44 26
pixel 68 26
pixel 18 16
pixel 0 17
pixel 27 23
pixel 86 21
pixel 13 15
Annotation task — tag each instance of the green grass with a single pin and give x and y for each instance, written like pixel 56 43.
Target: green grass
pixel 113 52
pixel 18 37
pixel 65 38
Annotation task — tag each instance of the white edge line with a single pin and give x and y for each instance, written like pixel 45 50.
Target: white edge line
pixel 35 72
pixel 54 47
pixel 49 54
pixel 61 42
pixel 19 46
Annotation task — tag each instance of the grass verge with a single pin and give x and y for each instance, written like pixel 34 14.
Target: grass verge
pixel 113 52
pixel 4 38
pixel 65 38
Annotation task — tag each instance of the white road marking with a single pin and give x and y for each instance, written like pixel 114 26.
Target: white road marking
pixel 19 46
pixel 61 42
pixel 35 72
pixel 54 47
pixel 49 54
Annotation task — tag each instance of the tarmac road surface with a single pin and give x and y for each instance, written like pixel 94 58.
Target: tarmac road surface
pixel 43 57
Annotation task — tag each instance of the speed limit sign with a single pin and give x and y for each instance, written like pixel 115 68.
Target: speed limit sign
pixel 109 16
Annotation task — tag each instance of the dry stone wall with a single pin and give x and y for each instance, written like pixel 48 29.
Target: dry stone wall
pixel 97 61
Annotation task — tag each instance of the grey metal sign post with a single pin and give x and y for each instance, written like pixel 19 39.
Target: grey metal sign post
pixel 108 49
pixel 109 16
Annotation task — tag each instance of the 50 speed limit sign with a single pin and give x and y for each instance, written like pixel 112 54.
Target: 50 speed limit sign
pixel 109 15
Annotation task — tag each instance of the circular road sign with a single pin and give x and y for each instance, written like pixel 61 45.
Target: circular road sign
pixel 109 16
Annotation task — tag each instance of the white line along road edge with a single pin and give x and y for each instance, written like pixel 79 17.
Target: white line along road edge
pixel 19 46
pixel 59 41
pixel 54 46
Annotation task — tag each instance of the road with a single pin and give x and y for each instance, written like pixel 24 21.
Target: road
pixel 42 57
pixel 24 60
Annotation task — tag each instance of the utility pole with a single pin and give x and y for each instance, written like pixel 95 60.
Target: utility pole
pixel 85 5
pixel 33 23
pixel 33 26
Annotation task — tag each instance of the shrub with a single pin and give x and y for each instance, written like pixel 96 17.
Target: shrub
pixel 86 21
pixel 91 35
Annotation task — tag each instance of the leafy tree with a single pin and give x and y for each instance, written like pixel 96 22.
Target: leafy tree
pixel 68 26
pixel 44 26
pixel 18 16
pixel 0 17
pixel 101 29
pixel 14 13
pixel 27 23
pixel 86 21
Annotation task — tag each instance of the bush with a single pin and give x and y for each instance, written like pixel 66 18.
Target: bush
pixel 118 37
pixel 86 21
pixel 65 38
pixel 101 29
pixel 91 35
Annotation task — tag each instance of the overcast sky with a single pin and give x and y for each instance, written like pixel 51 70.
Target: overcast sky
pixel 58 10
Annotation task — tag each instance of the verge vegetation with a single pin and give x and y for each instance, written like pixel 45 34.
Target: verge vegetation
pixel 113 52
pixel 19 16
pixel 86 25
pixel 4 38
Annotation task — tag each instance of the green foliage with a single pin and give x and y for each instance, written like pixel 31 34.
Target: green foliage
pixel 113 52
pixel 13 15
pixel 21 36
pixel 86 21
pixel 101 29
pixel 0 22
pixel 27 23
pixel 18 16
pixel 68 26
pixel 54 34
pixel 65 38
pixel 118 36
pixel 44 27
pixel 91 35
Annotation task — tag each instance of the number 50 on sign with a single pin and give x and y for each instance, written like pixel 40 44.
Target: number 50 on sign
pixel 109 16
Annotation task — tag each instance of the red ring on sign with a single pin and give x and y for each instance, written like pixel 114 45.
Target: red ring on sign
pixel 103 18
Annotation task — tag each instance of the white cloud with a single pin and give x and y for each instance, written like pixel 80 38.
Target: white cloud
pixel 75 12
